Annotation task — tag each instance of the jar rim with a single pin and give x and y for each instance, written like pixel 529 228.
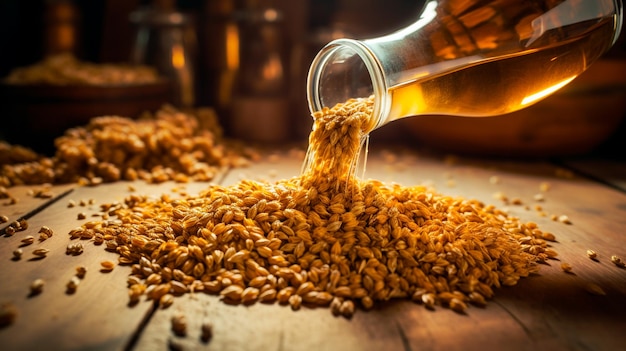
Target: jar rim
pixel 374 68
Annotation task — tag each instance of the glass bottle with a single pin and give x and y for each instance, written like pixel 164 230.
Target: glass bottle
pixel 467 58
pixel 260 108
pixel 61 27
pixel 165 39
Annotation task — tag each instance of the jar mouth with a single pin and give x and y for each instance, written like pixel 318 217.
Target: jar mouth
pixel 619 17
pixel 346 69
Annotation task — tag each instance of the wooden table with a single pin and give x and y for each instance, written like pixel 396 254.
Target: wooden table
pixel 549 311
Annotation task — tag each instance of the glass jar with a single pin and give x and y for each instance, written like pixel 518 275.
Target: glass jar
pixel 166 40
pixel 467 58
pixel 260 108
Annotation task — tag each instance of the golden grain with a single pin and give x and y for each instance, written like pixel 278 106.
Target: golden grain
pixel 232 292
pixel 564 219
pixel 457 305
pixel 46 230
pixel 616 260
pixel 36 287
pixel 295 301
pixel 184 146
pixel 107 265
pixel 179 324
pixel 178 288
pixel 72 284
pixel 9 231
pixel 544 186
pixel 166 301
pixel 41 252
pixel 566 267
pixel 8 314
pixel 17 254
pixel 206 331
pixel 74 248
pixel 81 271
pixel 27 240
pixel 592 254
pixel 326 237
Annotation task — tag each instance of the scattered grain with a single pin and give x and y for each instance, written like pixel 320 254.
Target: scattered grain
pixel 566 267
pixel 616 260
pixel 564 219
pixel 494 180
pixel 206 331
pixel 41 252
pixel 27 240
pixel 8 314
pixel 325 238
pixel 36 287
pixel 179 324
pixel 295 301
pixel 457 305
pixel 592 254
pixel 9 231
pixel 166 301
pixel 174 344
pixel 17 254
pixel 81 271
pixel 74 248
pixel 72 284
pixel 347 308
pixel 107 266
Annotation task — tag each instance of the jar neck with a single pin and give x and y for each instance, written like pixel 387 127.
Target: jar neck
pixel 345 69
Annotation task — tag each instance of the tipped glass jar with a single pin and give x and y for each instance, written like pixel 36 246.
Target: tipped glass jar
pixel 467 58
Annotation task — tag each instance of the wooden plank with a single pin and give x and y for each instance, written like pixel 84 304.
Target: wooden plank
pixel 21 200
pixel 552 310
pixel 611 172
pixel 549 311
pixel 96 316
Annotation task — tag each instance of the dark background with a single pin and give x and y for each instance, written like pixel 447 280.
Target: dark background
pixel 104 34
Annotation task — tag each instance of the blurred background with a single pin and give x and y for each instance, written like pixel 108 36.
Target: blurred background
pixel 249 58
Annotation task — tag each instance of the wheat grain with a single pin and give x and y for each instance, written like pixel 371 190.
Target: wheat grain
pixel 36 287
pixel 324 238
pixel 179 324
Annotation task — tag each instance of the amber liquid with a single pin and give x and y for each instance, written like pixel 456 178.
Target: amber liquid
pixel 504 84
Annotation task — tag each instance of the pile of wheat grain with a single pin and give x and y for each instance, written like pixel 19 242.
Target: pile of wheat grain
pixel 324 238
pixel 169 145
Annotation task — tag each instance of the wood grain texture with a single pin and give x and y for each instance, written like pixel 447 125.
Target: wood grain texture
pixel 96 316
pixel 611 172
pixel 25 203
pixel 548 311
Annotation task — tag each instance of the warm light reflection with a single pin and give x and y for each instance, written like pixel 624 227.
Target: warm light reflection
pixel 270 15
pixel 545 92
pixel 273 68
pixel 178 56
pixel 232 47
